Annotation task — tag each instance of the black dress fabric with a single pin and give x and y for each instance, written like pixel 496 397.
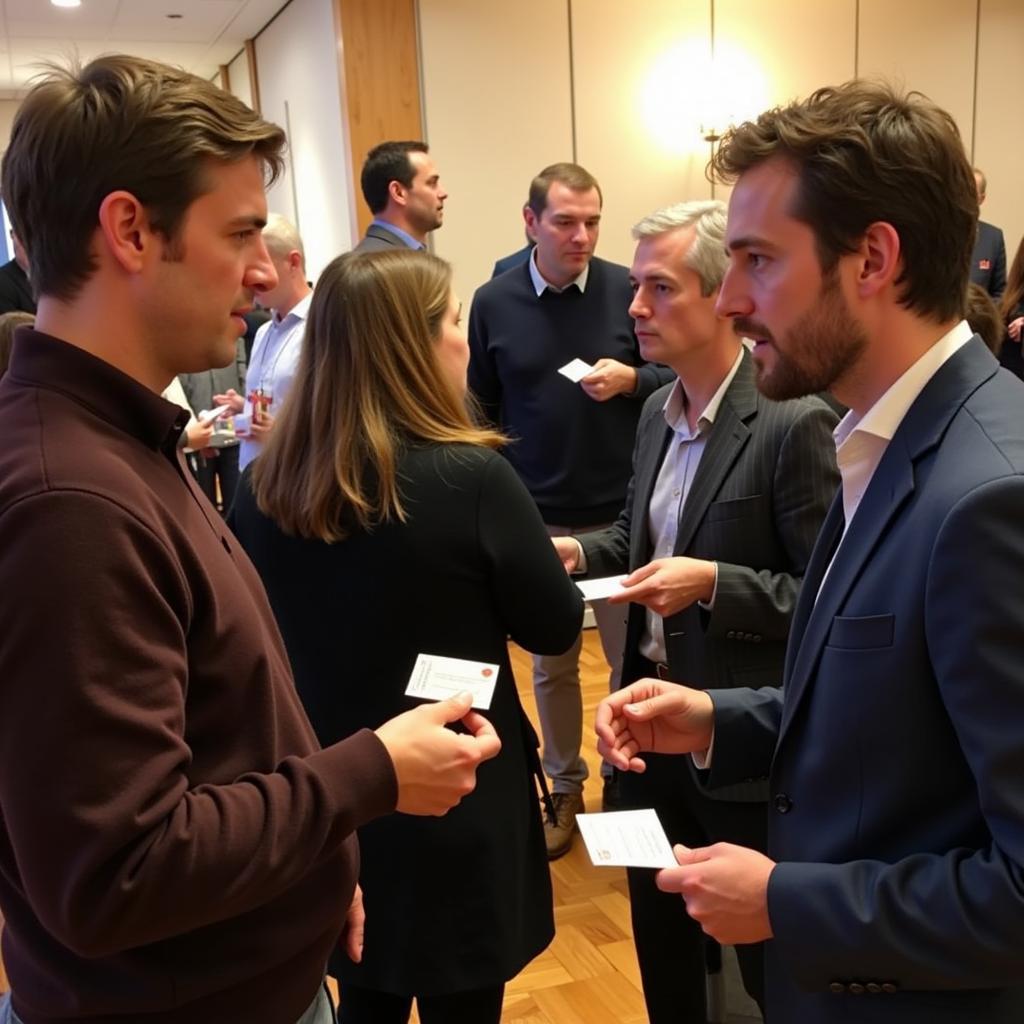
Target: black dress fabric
pixel 462 901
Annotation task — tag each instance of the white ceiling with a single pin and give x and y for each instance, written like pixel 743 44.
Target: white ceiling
pixel 208 33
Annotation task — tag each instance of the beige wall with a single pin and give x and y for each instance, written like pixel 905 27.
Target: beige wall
pixel 508 88
pixel 496 88
pixel 998 139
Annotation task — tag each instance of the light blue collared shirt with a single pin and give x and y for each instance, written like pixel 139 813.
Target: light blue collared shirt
pixel 403 235
pixel 275 357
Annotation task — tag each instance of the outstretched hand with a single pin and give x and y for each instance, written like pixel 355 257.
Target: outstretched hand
pixel 654 716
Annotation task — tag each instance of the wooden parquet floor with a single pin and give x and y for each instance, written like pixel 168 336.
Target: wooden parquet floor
pixel 589 974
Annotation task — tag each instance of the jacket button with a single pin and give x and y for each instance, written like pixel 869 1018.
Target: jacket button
pixel 857 988
pixel 888 987
pixel 873 987
pixel 782 803
pixel 836 987
pixel 757 638
pixel 731 635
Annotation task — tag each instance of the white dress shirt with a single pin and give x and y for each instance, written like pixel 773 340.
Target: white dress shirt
pixel 275 356
pixel 540 285
pixel 675 478
pixel 861 441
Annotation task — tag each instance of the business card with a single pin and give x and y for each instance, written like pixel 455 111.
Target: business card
pixel 437 678
pixel 628 839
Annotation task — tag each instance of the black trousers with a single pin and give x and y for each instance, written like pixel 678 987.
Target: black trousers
pixel 671 947
pixel 365 1006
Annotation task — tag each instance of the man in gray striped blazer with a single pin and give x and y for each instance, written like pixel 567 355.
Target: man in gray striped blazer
pixel 728 493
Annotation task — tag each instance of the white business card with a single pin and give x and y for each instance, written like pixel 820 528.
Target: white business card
pixel 598 590
pixel 209 415
pixel 437 678
pixel 627 839
pixel 576 370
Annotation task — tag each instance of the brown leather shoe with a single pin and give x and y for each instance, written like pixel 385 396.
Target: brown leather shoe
pixel 558 837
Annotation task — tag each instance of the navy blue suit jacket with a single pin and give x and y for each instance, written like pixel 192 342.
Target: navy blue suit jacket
pixel 515 259
pixel 897 755
pixel 988 262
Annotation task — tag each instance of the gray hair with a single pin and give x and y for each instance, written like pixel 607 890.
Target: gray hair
pixel 707 257
pixel 281 237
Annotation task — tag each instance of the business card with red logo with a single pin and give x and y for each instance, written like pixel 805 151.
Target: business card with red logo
pixel 437 678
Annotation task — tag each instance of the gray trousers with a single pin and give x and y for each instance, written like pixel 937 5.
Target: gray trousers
pixel 321 1010
pixel 556 685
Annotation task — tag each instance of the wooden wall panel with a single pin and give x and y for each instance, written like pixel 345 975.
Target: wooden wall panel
pixel 380 57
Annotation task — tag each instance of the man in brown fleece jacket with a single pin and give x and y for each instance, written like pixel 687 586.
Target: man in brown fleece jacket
pixel 168 825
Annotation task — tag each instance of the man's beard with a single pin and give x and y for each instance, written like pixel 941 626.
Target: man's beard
pixel 821 347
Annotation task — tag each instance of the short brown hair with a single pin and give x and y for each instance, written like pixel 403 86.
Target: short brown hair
pixel 368 383
pixel 118 123
pixel 579 179
pixel 865 153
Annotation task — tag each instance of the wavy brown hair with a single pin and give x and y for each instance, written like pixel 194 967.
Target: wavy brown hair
pixel 1014 294
pixel 865 152
pixel 367 386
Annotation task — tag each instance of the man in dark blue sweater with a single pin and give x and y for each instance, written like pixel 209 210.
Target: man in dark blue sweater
pixel 571 443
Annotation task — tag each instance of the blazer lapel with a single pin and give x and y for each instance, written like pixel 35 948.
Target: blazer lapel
pixel 891 485
pixel 654 445
pixel 729 434
pixel 890 489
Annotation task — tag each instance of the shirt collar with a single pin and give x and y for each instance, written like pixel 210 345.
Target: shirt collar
pixel 298 312
pixel 674 408
pixel 413 243
pixel 43 361
pixel 885 416
pixel 540 285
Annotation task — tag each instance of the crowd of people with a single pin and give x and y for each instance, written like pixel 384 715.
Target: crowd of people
pixel 215 787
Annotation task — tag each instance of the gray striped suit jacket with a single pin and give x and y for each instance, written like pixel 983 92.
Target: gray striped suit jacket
pixel 764 484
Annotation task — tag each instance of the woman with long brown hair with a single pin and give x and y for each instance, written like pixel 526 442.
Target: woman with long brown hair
pixel 385 524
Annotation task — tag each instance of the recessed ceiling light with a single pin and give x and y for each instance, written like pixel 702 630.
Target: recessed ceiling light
pixel 174 15
pixel 66 3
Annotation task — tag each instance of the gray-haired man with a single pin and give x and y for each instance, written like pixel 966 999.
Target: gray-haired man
pixel 728 493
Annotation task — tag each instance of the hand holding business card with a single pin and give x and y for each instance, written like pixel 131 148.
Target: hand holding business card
pixel 576 370
pixel 599 590
pixel 628 839
pixel 437 678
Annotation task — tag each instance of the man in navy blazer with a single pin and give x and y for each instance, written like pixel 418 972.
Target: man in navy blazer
pixel 402 187
pixel 988 261
pixel 893 888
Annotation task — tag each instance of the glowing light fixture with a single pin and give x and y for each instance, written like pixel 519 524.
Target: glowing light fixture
pixel 66 3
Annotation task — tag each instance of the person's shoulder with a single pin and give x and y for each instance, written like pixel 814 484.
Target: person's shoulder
pixel 513 281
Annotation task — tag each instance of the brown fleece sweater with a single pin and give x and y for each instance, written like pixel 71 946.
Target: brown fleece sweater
pixel 173 845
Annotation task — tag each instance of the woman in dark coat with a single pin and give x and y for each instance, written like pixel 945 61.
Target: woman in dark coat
pixel 385 525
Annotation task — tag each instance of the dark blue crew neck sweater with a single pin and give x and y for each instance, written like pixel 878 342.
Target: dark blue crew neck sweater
pixel 573 454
